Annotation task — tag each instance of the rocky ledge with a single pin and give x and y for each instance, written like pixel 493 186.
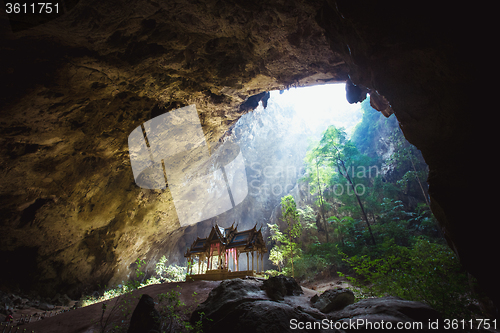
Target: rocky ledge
pixel 281 305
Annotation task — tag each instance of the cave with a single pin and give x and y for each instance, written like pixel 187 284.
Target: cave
pixel 74 85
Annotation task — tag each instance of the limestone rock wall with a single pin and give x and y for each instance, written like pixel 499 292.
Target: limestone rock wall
pixel 75 87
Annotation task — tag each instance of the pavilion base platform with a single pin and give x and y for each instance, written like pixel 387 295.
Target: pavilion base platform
pixel 219 274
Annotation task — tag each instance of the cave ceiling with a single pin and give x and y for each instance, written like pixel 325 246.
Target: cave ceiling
pixel 75 87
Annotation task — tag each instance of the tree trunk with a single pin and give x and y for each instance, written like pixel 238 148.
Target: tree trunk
pixel 321 201
pixel 346 175
pixel 291 252
pixel 420 183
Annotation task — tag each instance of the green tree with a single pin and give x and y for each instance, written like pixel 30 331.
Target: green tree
pixel 408 160
pixel 287 245
pixel 318 177
pixel 335 150
pixel 276 255
pixel 427 272
pixel 341 226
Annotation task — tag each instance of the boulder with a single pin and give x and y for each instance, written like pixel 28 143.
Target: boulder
pixel 266 316
pixel 16 300
pixel 226 296
pixel 46 307
pixel 389 310
pixel 277 287
pixel 34 304
pixel 248 305
pixel 292 287
pixel 5 304
pixel 145 317
pixel 62 300
pixel 333 299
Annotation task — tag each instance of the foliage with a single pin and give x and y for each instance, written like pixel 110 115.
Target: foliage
pixel 307 217
pixel 427 272
pixel 308 266
pixel 345 173
pixel 376 218
pixel 409 166
pixel 170 305
pixel 341 226
pixel 171 309
pixel 287 246
pixel 122 302
pixel 170 273
pixel 163 273
pixel 402 226
pixel 276 253
pixel 372 127
pixel 318 259
pixel 272 272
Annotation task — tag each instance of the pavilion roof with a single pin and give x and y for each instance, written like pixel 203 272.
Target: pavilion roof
pixel 229 238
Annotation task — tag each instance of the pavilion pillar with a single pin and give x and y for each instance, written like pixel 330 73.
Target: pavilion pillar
pixel 199 265
pixel 237 261
pixel 252 260
pixel 234 260
pixel 248 263
pixel 262 262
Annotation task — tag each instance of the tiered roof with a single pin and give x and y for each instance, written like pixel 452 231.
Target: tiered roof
pixel 246 240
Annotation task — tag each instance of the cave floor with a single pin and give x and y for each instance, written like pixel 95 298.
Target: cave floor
pixel 87 319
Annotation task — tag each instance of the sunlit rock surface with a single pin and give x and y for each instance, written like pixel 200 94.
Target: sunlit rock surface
pixel 74 88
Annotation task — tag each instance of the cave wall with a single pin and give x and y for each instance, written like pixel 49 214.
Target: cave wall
pixel 75 87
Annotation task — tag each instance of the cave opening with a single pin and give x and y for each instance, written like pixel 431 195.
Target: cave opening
pixel 360 193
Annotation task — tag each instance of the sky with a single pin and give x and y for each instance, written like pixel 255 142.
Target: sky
pixel 320 106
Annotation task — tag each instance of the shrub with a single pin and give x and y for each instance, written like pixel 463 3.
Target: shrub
pixel 317 259
pixel 164 273
pixel 428 272
pixel 170 273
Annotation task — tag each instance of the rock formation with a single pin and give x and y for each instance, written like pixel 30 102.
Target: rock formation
pixel 74 87
pixel 333 299
pixel 241 305
pixel 145 317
